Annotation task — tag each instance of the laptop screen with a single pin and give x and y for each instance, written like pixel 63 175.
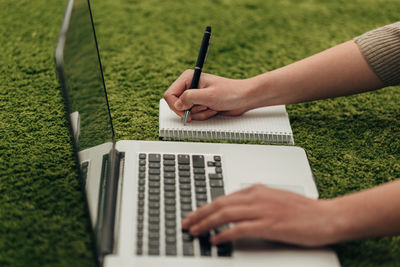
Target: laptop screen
pixel 82 80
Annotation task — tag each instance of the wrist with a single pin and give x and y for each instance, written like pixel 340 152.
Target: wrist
pixel 260 92
pixel 337 223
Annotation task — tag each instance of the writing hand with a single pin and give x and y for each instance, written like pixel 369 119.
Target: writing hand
pixel 215 95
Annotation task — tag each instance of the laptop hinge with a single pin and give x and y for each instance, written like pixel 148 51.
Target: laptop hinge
pixel 106 234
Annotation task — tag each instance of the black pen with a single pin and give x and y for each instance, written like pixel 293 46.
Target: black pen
pixel 199 65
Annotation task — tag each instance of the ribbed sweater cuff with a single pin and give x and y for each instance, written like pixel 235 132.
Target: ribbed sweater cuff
pixel 381 49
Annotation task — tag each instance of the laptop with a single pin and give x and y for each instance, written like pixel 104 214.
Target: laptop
pixel 137 192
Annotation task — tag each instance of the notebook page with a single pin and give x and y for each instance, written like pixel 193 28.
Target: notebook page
pixel 272 119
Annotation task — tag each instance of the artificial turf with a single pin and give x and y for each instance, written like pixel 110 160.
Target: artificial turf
pixel 352 142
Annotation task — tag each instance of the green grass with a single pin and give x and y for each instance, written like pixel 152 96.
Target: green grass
pixel 352 143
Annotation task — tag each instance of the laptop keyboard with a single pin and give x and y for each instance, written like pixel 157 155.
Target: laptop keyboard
pixel 170 187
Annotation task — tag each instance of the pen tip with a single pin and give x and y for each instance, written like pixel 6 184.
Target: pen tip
pixel 185 118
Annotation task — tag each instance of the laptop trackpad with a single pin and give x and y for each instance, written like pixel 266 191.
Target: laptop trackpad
pixel 292 188
pixel 254 244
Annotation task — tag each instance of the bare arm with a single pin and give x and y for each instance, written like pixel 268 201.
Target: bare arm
pixel 341 70
pixel 338 71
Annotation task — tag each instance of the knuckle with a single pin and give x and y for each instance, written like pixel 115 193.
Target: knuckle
pixel 238 231
pixel 187 73
pixel 166 94
pixel 225 213
pixel 219 203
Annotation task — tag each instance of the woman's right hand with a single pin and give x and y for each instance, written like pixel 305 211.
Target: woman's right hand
pixel 215 95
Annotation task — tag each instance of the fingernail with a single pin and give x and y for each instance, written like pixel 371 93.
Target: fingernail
pixel 212 240
pixel 185 223
pixel 194 230
pixel 178 104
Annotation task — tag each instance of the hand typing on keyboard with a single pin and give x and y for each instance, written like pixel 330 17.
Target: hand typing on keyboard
pixel 262 212
pixel 169 187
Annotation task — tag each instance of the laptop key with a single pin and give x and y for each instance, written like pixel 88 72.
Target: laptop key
pixel 185 187
pixel 142 156
pixel 188 249
pixel 183 159
pixel 154 212
pixel 154 251
pixel 169 162
pixel 154 227
pixel 184 167
pixel 170 216
pixel 216 192
pixel 170 231
pixel 201 190
pixel 200 203
pixel 185 193
pixel 169 175
pixel 169 156
pixel 225 249
pixel 184 180
pixel 154 235
pixel 169 194
pixel 170 188
pixel 215 176
pixel 154 178
pixel 154 197
pixel 201 197
pixel 199 171
pixel 205 245
pixel 154 157
pixel 216 183
pixel 170 201
pixel 184 174
pixel 170 239
pixel 200 177
pixel 186 200
pixel 154 165
pixel 170 250
pixel 200 184
pixel 170 224
pixel 154 171
pixel 198 161
pixel 169 169
pixel 217 158
pixel 186 207
pixel 169 181
pixel 154 184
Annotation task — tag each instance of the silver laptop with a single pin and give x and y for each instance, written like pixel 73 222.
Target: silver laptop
pixel 137 192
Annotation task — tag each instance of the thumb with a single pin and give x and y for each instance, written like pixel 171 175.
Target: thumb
pixel 194 97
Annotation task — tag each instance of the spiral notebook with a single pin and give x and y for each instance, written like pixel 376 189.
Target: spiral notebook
pixel 268 124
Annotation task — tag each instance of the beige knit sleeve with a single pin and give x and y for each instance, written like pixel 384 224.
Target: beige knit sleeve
pixel 381 48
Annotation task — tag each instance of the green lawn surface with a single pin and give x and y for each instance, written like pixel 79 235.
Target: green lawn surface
pixel 352 142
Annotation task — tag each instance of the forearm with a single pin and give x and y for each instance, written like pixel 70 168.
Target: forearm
pixel 340 70
pixel 371 213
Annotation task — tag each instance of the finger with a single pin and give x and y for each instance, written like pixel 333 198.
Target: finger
pixel 204 96
pixel 219 203
pixel 177 88
pixel 223 216
pixel 203 115
pixel 239 230
pixel 198 108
